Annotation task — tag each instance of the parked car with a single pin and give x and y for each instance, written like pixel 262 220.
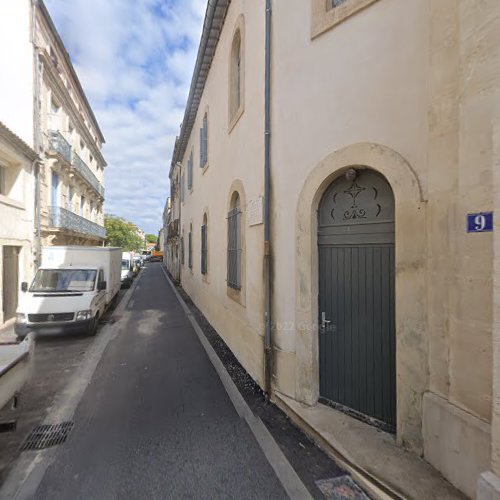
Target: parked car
pixel 146 255
pixel 136 264
pixel 127 274
pixel 70 291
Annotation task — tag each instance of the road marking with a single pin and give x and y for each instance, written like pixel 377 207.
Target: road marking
pixel 284 471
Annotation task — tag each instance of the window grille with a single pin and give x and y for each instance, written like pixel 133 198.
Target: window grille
pixel 204 142
pixel 234 248
pixel 190 250
pixel 190 172
pixel 204 249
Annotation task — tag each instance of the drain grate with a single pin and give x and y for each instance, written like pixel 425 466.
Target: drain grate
pixel 341 488
pixel 45 436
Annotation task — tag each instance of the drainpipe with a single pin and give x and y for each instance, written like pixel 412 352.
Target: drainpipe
pixel 268 347
pixel 37 141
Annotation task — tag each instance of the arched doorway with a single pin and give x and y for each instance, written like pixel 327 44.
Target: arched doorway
pixel 357 344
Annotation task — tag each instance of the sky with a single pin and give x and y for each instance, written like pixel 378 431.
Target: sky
pixel 134 59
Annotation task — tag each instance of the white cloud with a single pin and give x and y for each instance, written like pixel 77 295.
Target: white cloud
pixel 135 60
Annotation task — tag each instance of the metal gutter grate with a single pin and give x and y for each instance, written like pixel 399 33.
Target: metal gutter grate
pixel 45 436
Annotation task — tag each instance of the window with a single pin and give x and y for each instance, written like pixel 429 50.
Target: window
pixel 190 247
pixel 70 198
pixel 236 78
pixel 328 13
pixel 190 171
pixel 234 244
pixel 182 188
pixel 336 3
pixel 182 250
pixel 55 190
pixel 54 118
pixel 3 180
pixel 82 205
pixel 204 246
pixel 204 142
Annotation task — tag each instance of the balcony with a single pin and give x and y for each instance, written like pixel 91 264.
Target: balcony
pixel 64 219
pixel 87 174
pixel 58 145
pixel 173 229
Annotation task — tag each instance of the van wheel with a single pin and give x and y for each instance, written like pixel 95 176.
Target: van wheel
pixel 93 326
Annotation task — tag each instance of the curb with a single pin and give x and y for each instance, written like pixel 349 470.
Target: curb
pixel 286 474
pixel 28 470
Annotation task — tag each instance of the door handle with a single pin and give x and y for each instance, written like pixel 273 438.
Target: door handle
pixel 324 322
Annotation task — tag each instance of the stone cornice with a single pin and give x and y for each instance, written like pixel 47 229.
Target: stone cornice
pixel 63 95
pixel 17 143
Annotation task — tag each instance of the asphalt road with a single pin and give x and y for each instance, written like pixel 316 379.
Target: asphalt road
pixel 156 421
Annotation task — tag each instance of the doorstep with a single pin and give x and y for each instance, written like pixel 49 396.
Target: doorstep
pixel 384 469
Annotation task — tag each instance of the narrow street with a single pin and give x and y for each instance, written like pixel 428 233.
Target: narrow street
pixel 156 421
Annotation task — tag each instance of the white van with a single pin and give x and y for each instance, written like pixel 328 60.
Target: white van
pixel 70 291
pixel 127 274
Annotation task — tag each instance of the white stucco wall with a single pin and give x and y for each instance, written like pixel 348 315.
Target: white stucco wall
pixel 16 63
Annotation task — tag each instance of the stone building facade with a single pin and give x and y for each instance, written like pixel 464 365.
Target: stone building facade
pixel 68 135
pixel 384 137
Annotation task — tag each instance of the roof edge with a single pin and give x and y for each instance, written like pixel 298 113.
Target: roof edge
pixel 215 16
pixel 17 143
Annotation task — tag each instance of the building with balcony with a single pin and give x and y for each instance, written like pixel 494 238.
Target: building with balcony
pixel 69 141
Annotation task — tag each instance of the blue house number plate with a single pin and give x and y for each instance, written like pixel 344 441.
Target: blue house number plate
pixel 480 223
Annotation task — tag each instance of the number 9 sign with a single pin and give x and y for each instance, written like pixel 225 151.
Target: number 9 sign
pixel 480 222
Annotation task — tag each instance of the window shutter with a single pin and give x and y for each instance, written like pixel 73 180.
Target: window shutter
pixel 190 250
pixel 204 249
pixel 202 162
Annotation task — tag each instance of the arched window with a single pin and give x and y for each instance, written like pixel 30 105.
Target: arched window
pixel 234 243
pixel 204 245
pixel 236 77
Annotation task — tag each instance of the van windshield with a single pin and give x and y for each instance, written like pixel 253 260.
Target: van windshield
pixel 125 265
pixel 64 280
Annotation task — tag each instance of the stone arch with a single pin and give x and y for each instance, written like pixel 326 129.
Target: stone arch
pixel 410 237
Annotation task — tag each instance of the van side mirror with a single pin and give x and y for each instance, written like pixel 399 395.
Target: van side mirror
pixel 101 285
pixel 24 286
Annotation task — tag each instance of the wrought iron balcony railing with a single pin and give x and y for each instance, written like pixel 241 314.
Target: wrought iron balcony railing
pixel 64 219
pixel 87 174
pixel 59 145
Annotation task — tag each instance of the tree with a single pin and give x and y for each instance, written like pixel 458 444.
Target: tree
pixel 122 233
pixel 151 238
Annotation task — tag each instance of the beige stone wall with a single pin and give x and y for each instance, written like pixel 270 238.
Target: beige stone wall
pixel 234 154
pixel 409 89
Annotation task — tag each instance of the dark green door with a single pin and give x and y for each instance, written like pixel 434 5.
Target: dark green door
pixel 357 345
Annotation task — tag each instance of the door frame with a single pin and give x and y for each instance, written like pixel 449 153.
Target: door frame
pixel 410 294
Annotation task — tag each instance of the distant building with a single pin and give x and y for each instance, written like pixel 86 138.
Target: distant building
pixel 171 221
pixel 142 236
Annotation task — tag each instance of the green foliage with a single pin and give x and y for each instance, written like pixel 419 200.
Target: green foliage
pixel 151 238
pixel 122 233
